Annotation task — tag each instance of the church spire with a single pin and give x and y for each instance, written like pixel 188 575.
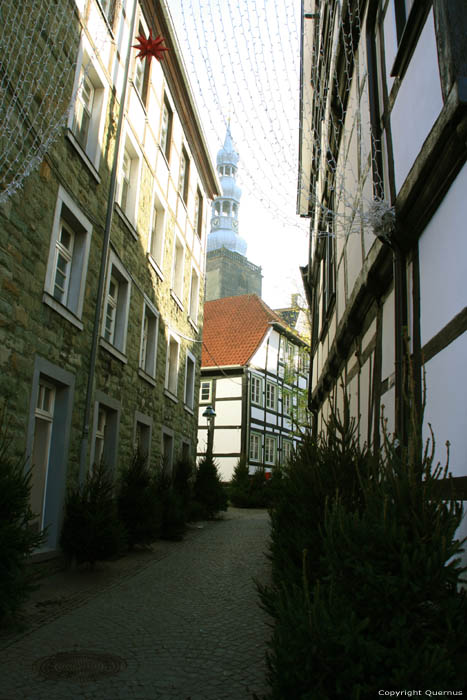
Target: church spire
pixel 224 220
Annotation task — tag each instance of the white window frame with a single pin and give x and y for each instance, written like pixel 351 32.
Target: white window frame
pixel 178 268
pixel 256 447
pixel 205 382
pixel 142 68
pixel 166 129
pixel 184 175
pixel 286 402
pixel 71 306
pixel 199 213
pixel 130 206
pixel 194 296
pixel 271 396
pixel 256 392
pixel 149 339
pixel 167 435
pixel 171 371
pixel 268 458
pixel 289 445
pixel 88 67
pixel 157 236
pixel 143 427
pixel 117 343
pixel 190 375
pixel 105 405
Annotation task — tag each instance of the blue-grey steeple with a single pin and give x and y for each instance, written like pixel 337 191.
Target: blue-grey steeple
pixel 224 220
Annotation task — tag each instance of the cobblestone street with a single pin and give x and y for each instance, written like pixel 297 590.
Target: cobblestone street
pixel 185 626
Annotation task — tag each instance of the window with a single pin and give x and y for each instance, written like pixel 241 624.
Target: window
pixel 108 7
pixel 256 390
pixel 44 415
pixel 206 391
pixel 328 266
pixel 142 435
pixel 105 431
pixel 149 334
pixel 48 436
pixel 190 381
pixel 87 120
pixel 156 243
pixel 167 450
pixel 286 403
pixel 194 296
pixel 68 258
pixel 166 128
pixel 402 9
pixel 125 180
pixel 271 396
pixel 198 222
pixel 177 270
pixel 184 176
pixel 270 450
pixel 255 447
pixel 83 111
pixel 171 374
pixel 128 182
pixel 117 303
pixel 141 78
pixel 287 449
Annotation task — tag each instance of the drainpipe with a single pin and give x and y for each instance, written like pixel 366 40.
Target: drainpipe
pixel 104 256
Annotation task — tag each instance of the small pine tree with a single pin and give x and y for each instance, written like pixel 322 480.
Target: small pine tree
pixel 173 520
pixel 209 494
pixel 91 528
pixel 138 506
pixel 365 591
pixel 183 483
pixel 240 484
pixel 18 539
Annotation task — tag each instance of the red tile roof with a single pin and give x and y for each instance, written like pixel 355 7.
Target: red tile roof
pixel 234 328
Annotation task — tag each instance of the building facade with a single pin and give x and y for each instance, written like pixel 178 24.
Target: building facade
pixel 103 263
pixel 228 271
pixel 254 375
pixel 383 176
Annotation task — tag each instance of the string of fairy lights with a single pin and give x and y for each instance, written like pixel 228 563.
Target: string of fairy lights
pixel 244 63
pixel 243 58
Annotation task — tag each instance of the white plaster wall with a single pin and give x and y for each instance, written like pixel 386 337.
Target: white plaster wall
pixel 388 401
pixel 228 413
pixel 226 466
pixel 227 387
pixel 354 259
pixel 390 41
pixel 446 410
pixel 388 365
pixel 418 103
pixel 226 440
pixel 364 394
pixel 446 403
pixel 443 261
pixel 257 413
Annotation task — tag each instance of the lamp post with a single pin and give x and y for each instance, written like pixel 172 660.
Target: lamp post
pixel 210 414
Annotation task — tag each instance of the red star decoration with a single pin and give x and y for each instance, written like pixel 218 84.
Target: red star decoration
pixel 149 47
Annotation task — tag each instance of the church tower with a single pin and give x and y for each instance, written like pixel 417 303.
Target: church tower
pixel 228 271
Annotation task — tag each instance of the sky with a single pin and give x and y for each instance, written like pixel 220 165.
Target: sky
pixel 242 57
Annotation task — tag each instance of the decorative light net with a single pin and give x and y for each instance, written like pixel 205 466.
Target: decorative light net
pixel 244 63
pixel 38 50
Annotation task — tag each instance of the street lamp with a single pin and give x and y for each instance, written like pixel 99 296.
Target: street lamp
pixel 210 414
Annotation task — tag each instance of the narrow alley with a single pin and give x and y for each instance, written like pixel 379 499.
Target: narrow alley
pixel 184 627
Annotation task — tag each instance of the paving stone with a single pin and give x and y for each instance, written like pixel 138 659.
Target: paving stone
pixel 188 625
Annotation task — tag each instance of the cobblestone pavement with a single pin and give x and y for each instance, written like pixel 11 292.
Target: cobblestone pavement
pixel 186 626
